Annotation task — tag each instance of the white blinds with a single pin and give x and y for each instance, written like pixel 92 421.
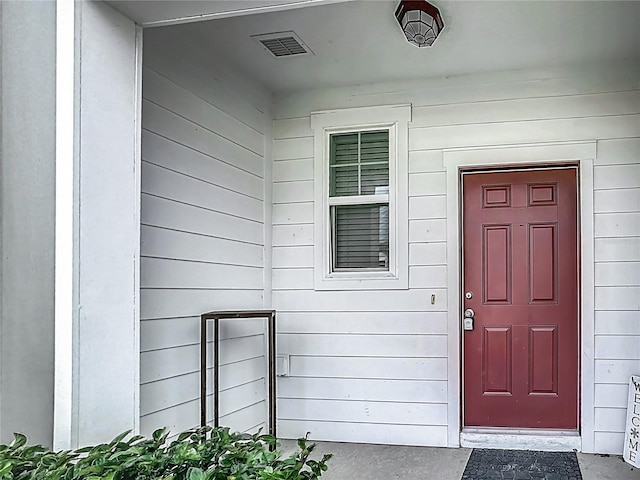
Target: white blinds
pixel 361 236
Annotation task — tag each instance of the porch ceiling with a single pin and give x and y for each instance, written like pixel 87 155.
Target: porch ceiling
pixel 359 42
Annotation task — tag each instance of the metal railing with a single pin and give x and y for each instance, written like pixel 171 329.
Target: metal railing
pixel 216 316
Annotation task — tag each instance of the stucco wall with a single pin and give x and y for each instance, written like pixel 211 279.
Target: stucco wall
pixel 105 353
pixel 27 165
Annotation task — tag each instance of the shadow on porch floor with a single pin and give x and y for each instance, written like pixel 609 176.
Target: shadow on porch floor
pixel 352 461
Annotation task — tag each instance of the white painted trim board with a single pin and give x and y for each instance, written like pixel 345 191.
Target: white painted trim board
pixel 64 224
pixel 137 167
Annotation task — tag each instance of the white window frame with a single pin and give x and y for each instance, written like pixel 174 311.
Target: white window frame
pixel 396 119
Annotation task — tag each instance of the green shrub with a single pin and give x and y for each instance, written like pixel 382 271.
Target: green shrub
pixel 199 454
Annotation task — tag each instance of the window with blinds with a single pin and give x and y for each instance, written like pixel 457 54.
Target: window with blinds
pixel 359 200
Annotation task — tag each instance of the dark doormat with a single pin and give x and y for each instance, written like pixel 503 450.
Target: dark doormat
pixel 486 464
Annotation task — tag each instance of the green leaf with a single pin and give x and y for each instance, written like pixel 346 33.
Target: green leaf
pixel 195 474
pixel 84 450
pixel 5 467
pixel 204 453
pixel 160 435
pixel 119 438
pixel 19 441
pixel 136 438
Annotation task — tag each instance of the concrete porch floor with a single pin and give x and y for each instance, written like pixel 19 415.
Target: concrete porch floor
pixel 352 461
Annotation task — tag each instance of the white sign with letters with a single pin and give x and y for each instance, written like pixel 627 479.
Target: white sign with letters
pixel 631 452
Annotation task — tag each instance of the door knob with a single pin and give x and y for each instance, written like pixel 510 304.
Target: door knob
pixel 469 313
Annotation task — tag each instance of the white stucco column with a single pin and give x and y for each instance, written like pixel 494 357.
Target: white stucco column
pixel 27 162
pixel 97 224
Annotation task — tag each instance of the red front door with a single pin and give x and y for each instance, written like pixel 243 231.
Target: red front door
pixel 521 270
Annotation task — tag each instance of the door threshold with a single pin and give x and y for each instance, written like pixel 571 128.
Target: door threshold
pixel 521 439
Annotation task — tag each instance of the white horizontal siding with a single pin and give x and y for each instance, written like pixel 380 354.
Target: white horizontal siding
pixel 431 183
pixel 618 347
pixel 237 377
pixel 426 161
pixel 202 239
pixel 289 235
pixel 429 230
pixel 608 395
pixel 617 176
pixel 609 442
pixel 626 224
pixel 368 368
pixel 171 185
pixel 363 345
pixel 616 200
pixel 160 303
pixel 618 152
pixel 617 281
pixel 214 82
pixel 173 273
pixel 610 419
pixel 366 432
pixel 293 192
pixel 527 109
pixel 382 323
pixel 620 274
pixel 434 253
pixel 292 257
pixel 163 152
pixel 485 88
pixel 198 110
pixel 619 249
pixel 414 300
pixel 166 123
pixel 430 206
pixel 348 346
pixel 293 170
pixel 615 322
pixel 179 360
pixel 292 278
pixel 249 418
pixel 173 332
pixel 363 389
pixel 293 213
pixel 431 276
pixel 190 246
pixel 363 412
pixel 513 133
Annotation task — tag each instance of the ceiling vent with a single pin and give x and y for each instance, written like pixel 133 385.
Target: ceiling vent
pixel 283 44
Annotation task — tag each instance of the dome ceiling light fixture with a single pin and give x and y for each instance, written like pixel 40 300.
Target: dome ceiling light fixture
pixel 420 21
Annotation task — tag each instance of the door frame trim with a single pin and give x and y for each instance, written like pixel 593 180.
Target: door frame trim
pixel 533 155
